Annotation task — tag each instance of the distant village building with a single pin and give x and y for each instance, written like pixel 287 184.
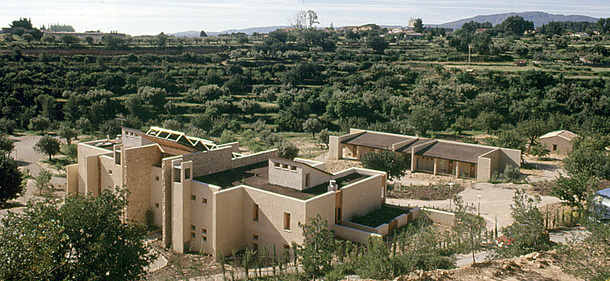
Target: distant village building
pixel 428 155
pixel 558 142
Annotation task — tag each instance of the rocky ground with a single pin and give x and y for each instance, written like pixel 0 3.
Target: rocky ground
pixel 534 266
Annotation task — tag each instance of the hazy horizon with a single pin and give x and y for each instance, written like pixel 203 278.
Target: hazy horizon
pixel 155 16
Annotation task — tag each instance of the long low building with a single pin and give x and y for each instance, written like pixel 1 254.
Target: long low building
pixel 209 198
pixel 428 155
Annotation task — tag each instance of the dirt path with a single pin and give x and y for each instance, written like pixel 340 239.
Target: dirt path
pixel 28 158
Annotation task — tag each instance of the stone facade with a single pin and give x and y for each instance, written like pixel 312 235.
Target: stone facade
pixel 196 215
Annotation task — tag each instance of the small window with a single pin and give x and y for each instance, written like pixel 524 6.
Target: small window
pixel 204 200
pixel 187 173
pixel 254 237
pixel 117 157
pixel 176 175
pixel 193 197
pixel 554 147
pixel 156 205
pixel 156 178
pixel 204 238
pixel 204 231
pixel 293 168
pixel 255 213
pixel 276 165
pixel 192 234
pixel 284 166
pixel 193 228
pixel 286 221
pixel 286 247
pixel 110 172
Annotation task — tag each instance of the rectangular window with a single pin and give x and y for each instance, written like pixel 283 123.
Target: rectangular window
pixel 193 228
pixel 156 205
pixel 286 247
pixel 176 175
pixel 117 157
pixel 187 173
pixel 110 172
pixel 284 166
pixel 204 200
pixel 156 178
pixel 204 238
pixel 293 168
pixel 554 147
pixel 192 234
pixel 204 231
pixel 286 221
pixel 255 213
pixel 193 197
pixel 276 165
pixel 254 237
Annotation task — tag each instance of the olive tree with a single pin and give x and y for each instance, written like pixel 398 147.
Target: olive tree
pixel 11 179
pixel 47 145
pixel 81 239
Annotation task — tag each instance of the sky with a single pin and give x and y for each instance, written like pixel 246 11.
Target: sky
pixel 137 17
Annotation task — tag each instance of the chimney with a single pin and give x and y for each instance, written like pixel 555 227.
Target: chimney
pixel 332 185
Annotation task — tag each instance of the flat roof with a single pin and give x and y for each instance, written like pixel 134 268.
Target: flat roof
pixel 257 176
pixel 376 140
pixel 455 151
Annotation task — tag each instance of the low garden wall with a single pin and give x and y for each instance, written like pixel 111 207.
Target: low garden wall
pixel 442 217
pixel 358 232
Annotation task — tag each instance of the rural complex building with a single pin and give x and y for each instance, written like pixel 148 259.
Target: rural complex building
pixel 428 155
pixel 558 142
pixel 208 197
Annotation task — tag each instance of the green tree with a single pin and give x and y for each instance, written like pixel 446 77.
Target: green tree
pixel 527 232
pixel 539 150
pixel 67 132
pixel 387 161
pixel 287 150
pixel 39 123
pixel 377 43
pixel 318 247
pixel 6 144
pixel 324 137
pixel 43 182
pixel 11 179
pixel 114 42
pixel 426 119
pixel 575 190
pixel 47 145
pixel 54 241
pixel 312 125
pixel 468 226
pixel 604 25
pixel 418 25
pixel 203 34
pixel 69 40
pixel 589 157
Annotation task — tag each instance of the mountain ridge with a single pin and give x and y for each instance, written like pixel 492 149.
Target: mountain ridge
pixel 539 18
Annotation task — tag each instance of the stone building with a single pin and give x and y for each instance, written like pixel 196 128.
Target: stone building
pixel 210 198
pixel 558 142
pixel 428 155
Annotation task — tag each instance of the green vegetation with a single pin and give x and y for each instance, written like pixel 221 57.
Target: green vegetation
pixel 288 79
pixel 53 241
pixel 387 161
pixel 12 181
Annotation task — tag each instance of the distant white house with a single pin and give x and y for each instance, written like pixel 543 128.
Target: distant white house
pixel 558 142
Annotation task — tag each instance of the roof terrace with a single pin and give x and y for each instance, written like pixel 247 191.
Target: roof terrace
pixel 257 176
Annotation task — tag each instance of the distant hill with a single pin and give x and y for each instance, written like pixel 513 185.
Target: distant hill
pixel 539 18
pixel 249 31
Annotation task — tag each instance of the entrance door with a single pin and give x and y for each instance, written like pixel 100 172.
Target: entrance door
pixel 338 206
pixel 472 170
pixel 450 167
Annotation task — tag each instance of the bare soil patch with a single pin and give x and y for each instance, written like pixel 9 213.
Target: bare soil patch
pixel 424 192
pixel 183 266
pixel 534 266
